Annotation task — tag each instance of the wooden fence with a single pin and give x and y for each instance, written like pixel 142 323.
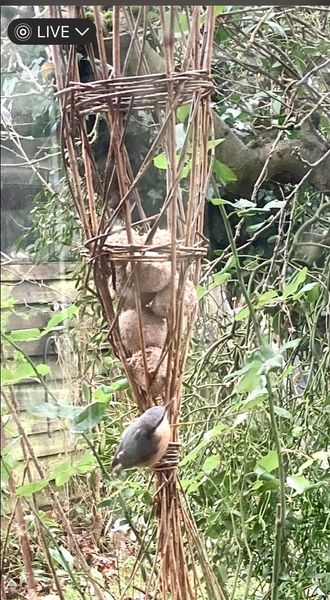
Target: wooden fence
pixel 39 291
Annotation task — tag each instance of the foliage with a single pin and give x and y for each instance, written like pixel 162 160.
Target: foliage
pixel 53 228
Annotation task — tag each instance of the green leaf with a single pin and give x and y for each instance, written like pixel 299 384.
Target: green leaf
pixel 242 314
pixel 298 483
pixel 186 169
pixel 62 473
pixel 192 455
pixel 252 228
pixel 201 292
pixel 273 204
pixel 215 432
pixel 282 412
pixel 23 371
pixel 86 464
pixel 63 557
pixel 43 410
pixel 61 316
pixel 266 481
pixel 244 203
pixel 273 363
pixel 265 298
pixel 160 161
pixel 8 460
pixel 224 173
pixel 43 370
pixel 88 417
pixel 211 463
pixel 292 287
pixel 68 411
pixel 105 503
pixel 24 335
pixel 219 202
pixel 311 290
pixel 269 462
pixel 190 485
pixel 6 376
pixel 219 10
pixel 291 344
pixel 120 384
pixel 31 488
pixel 276 27
pixel 250 380
pixel 183 112
pixel 64 477
pixel 256 397
pixel 208 437
pixel 214 143
pixel 217 280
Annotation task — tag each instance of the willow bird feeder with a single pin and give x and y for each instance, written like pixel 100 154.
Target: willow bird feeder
pixel 146 266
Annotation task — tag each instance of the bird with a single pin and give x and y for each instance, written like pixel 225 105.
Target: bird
pixel 145 441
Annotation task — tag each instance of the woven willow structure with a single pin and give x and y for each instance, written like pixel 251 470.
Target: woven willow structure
pixel 123 252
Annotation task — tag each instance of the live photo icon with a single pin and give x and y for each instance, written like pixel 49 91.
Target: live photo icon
pixel 52 31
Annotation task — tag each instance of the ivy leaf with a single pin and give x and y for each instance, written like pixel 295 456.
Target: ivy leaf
pixel 86 464
pixel 63 473
pixel 255 397
pixel 273 363
pixel 43 410
pixel 160 161
pixel 223 172
pixel 30 488
pixel 208 437
pixel 299 483
pixel 25 335
pixel 269 462
pixel 88 417
pixel 23 371
pixel 104 503
pixel 244 203
pixel 218 279
pixel 59 317
pixel 242 314
pixel 310 290
pixel 265 298
pixel 214 143
pixel 211 463
pixel 68 411
pixel 250 379
pixel 183 112
pixel 63 557
pixel 282 412
pixel 292 287
pixel 219 202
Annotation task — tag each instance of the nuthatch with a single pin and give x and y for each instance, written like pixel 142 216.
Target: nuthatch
pixel 145 441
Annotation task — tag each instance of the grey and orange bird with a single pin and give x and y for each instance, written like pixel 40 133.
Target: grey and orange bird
pixel 145 441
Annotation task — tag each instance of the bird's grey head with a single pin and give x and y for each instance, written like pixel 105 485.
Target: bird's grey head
pixel 152 417
pixel 138 442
